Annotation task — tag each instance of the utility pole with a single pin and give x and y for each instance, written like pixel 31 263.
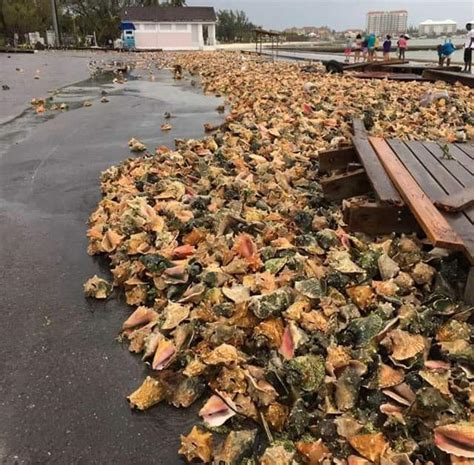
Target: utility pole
pixel 54 14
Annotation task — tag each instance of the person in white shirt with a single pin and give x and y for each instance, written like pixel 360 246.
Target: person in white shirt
pixel 468 46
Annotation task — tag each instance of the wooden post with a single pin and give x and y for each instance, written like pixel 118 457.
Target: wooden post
pixel 331 160
pixel 343 186
pixel 374 218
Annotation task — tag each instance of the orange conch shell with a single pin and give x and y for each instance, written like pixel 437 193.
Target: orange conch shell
pixel 456 439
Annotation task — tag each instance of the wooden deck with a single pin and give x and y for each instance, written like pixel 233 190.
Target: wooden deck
pixel 449 76
pixel 405 186
pixel 442 170
pixel 390 76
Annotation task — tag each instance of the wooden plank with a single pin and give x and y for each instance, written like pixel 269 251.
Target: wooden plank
pixel 374 218
pixel 460 165
pixel 331 160
pixel 427 182
pixel 462 158
pixel 390 76
pixel 467 149
pixel 457 202
pixel 379 179
pixel 358 127
pixel 434 165
pixel 449 76
pixel 430 219
pixel 458 221
pixel 343 186
pixel 438 167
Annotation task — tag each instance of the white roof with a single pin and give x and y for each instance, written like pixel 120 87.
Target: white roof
pixel 431 22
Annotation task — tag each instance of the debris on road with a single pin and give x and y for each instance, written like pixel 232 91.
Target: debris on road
pixel 255 301
pixel 136 146
pixel 98 288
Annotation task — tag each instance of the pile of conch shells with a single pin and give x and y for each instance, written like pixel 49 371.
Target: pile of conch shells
pixel 301 342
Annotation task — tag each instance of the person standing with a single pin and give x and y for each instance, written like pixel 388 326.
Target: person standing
pixel 348 50
pixel 387 47
pixel 357 48
pixel 376 48
pixel 365 48
pixel 371 46
pixel 468 46
pixel 402 47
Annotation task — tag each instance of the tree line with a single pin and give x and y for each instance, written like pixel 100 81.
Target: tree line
pixel 80 18
pixel 234 26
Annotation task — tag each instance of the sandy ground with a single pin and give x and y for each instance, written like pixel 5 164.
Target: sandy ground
pixel 64 377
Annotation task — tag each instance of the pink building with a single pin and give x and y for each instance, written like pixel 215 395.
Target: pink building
pixel 170 28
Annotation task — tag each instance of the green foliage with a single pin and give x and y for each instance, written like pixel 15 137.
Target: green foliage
pixel 22 16
pixel 233 26
pixel 78 17
pixel 172 2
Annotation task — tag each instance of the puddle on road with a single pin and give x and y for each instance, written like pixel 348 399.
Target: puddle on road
pixel 17 129
pixel 93 89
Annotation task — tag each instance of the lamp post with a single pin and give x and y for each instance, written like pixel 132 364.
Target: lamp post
pixel 54 14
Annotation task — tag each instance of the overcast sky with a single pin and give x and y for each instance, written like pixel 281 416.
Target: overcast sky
pixel 340 14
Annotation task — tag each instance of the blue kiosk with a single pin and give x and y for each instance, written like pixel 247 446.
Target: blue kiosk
pixel 128 35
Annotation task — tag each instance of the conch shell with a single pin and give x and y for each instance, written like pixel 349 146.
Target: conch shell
pixel 216 412
pixel 456 439
pixel 150 393
pixel 293 337
pixel 404 345
pixel 163 355
pixel 371 446
pixel 141 316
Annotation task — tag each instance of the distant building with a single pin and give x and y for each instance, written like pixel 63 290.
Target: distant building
pixel 351 33
pixel 311 31
pixel 437 28
pixel 387 22
pixel 169 28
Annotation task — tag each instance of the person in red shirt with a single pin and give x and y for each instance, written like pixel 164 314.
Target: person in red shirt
pixel 402 47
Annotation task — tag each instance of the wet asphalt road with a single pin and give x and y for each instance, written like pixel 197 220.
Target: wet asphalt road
pixel 64 378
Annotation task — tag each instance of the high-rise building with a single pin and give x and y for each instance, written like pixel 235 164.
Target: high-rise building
pixel 387 22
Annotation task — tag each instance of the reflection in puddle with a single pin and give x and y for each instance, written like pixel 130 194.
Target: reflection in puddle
pixel 186 92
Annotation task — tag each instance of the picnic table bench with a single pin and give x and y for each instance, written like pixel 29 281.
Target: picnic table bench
pixel 417 187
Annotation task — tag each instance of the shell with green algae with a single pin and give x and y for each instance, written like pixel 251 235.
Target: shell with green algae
pixel 306 372
pixel 236 447
pixel 264 306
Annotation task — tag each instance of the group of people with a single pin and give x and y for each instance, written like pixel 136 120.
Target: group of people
pixel 446 50
pixel 365 48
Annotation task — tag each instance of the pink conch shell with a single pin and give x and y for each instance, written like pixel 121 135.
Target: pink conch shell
pixel 456 439
pixel 163 355
pixel 216 412
pixel 141 316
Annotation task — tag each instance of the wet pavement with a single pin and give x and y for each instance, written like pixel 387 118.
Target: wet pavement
pixel 64 377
